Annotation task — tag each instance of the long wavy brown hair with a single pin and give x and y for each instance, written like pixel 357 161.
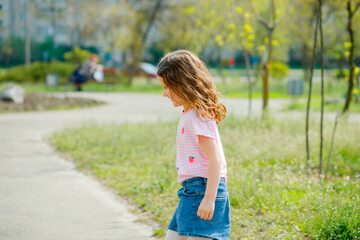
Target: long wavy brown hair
pixel 188 77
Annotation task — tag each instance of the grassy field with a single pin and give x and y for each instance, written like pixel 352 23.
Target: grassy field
pixel 140 85
pixel 301 105
pixel 272 196
pixel 234 85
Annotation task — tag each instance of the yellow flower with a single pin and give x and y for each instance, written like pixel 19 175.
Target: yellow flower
pixel 250 37
pixel 189 10
pixel 248 28
pixel 280 211
pixel 263 211
pixel 355 91
pixel 347 44
pixel 275 42
pixel 262 48
pixel 291 222
pixel 347 53
pixel 250 45
pixel 219 40
pixel 231 37
pixel 304 209
pixel 356 71
pixel 247 15
pixel 239 10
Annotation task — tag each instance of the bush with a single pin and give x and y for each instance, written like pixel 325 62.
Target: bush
pixel 60 68
pixel 344 223
pixel 15 74
pixel 279 70
pixel 36 72
pixel 77 56
pixel 63 70
pixel 341 74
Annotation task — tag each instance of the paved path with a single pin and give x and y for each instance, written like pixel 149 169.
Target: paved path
pixel 43 196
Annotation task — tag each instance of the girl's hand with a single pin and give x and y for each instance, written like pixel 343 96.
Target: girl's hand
pixel 206 208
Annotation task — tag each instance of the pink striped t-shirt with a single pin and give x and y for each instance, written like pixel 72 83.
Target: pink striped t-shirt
pixel 191 160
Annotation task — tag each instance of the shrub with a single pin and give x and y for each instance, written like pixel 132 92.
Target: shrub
pixel 60 68
pixel 341 74
pixel 279 70
pixel 15 74
pixel 338 218
pixel 63 70
pixel 343 224
pixel 77 56
pixel 36 72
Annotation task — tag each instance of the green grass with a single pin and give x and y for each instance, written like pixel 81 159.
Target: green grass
pixel 271 195
pixel 301 105
pixel 232 87
pixel 140 85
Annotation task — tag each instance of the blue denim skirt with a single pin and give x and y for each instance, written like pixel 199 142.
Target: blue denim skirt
pixel 185 220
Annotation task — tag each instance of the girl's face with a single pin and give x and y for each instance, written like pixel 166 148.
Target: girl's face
pixel 176 100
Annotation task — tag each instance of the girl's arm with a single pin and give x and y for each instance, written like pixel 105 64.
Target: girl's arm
pixel 210 148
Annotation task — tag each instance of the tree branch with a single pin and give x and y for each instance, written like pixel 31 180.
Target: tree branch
pixel 283 17
pixel 356 8
pixel 259 18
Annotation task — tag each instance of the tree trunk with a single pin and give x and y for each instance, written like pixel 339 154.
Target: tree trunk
pixel 322 89
pixel 304 60
pixel 310 91
pixel 137 50
pixel 151 19
pixel 266 70
pixel 219 66
pixel 248 76
pixel 332 144
pixel 27 33
pixel 265 81
pixel 351 58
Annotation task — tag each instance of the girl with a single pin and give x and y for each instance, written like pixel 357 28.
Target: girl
pixel 203 211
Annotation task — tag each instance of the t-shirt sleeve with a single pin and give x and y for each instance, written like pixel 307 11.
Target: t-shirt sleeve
pixel 203 127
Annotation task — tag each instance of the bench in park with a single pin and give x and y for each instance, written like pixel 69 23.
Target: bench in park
pixel 110 76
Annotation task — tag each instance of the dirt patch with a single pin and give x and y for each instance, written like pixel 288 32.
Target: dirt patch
pixel 42 102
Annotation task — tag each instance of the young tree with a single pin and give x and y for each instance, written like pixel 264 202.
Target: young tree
pixel 270 25
pixel 140 20
pixel 322 86
pixel 310 88
pixel 351 11
pixel 245 40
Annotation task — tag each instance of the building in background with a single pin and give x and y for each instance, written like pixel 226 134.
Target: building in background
pixel 57 19
pixel 4 18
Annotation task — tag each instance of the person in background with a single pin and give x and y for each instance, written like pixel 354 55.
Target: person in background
pixel 85 72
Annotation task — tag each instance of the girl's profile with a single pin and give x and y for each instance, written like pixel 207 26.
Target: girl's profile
pixel 203 211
